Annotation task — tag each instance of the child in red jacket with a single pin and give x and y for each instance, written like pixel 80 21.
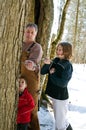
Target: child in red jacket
pixel 25 105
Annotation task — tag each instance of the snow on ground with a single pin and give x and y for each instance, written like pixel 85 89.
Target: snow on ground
pixel 77 103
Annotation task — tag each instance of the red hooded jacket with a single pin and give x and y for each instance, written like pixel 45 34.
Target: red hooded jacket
pixel 25 106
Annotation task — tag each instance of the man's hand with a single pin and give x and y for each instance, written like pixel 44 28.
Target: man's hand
pixel 30 65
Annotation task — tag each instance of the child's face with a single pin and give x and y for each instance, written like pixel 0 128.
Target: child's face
pixel 59 52
pixel 22 85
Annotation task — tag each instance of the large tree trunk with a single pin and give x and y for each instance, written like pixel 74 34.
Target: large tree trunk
pixel 45 22
pixel 14 14
pixel 76 24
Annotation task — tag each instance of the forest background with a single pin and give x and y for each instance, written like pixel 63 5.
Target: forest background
pixel 57 20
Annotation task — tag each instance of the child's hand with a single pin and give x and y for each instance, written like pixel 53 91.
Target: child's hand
pixel 52 70
pixel 47 61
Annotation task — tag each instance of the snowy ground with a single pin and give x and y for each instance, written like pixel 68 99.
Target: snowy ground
pixel 77 103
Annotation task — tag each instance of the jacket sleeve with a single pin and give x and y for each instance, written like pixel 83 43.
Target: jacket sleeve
pixel 66 76
pixel 45 69
pixel 30 101
pixel 36 53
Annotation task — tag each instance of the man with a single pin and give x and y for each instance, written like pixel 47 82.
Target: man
pixel 30 59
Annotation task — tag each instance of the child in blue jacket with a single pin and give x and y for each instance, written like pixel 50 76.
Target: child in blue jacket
pixel 59 72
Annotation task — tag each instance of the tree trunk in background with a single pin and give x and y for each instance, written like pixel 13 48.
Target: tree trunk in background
pixel 45 22
pixel 45 17
pixel 60 30
pixel 76 24
pixel 14 14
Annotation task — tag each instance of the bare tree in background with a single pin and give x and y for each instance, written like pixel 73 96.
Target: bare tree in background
pixel 75 29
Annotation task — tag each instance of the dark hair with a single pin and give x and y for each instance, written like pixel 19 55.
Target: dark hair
pixel 32 25
pixel 67 49
pixel 23 77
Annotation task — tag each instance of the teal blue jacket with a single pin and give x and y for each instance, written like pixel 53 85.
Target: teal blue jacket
pixel 58 81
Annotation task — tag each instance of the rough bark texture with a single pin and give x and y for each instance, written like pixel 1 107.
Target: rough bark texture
pixel 76 24
pixel 14 14
pixel 45 24
pixel 45 21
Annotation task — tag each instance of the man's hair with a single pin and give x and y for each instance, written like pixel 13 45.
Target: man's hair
pixel 23 77
pixel 32 25
pixel 67 49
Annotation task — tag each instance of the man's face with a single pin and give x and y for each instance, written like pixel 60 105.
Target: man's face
pixel 30 34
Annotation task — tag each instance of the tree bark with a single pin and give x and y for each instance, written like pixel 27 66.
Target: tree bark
pixel 76 24
pixel 45 24
pixel 14 14
pixel 45 21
